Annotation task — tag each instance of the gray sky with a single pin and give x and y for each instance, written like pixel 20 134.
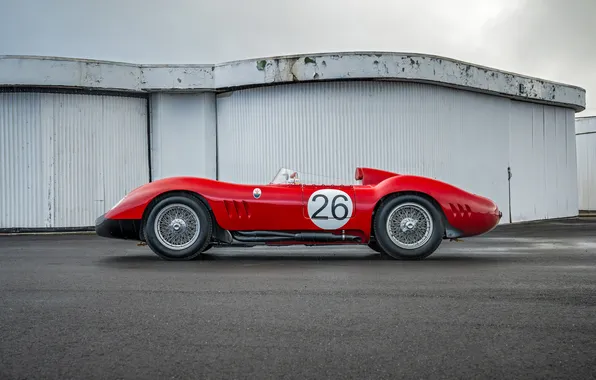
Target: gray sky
pixel 552 39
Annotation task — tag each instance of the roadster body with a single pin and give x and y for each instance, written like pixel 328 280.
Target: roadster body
pixel 400 216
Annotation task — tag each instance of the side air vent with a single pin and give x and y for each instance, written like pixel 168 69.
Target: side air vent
pixel 237 209
pixel 461 211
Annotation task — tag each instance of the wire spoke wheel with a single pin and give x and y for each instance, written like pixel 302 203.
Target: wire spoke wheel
pixel 409 226
pixel 177 226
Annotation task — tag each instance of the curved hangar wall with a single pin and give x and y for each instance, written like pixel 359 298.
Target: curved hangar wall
pixel 466 138
pixel 585 135
pixel 99 129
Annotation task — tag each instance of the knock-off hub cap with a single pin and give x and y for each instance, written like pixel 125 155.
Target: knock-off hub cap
pixel 407 224
pixel 178 225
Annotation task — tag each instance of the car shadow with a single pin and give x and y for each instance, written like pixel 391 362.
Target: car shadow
pixel 210 257
pixel 283 259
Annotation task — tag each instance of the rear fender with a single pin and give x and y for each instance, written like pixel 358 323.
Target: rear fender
pixel 449 231
pixel 440 191
pixel 441 194
pixel 466 214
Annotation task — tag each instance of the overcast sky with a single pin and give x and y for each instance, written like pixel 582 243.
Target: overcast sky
pixel 553 39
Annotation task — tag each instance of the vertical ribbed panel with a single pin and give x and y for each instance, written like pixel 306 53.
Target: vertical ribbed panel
pixel 101 154
pixel 23 188
pixel 76 149
pixel 124 147
pixel 568 154
pixel 542 161
pixel 586 162
pixel 464 138
pixel 573 205
pixel 330 128
pixel 68 158
pixel 183 135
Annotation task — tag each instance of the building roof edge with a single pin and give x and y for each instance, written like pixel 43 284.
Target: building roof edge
pixel 45 71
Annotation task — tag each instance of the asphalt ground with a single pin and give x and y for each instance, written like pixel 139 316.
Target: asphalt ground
pixel 519 302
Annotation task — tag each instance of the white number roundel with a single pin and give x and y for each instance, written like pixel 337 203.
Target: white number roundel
pixel 330 209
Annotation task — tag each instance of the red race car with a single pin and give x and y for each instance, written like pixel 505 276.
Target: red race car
pixel 400 216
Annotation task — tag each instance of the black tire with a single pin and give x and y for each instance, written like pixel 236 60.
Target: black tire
pixel 195 210
pixel 423 208
pixel 202 256
pixel 375 246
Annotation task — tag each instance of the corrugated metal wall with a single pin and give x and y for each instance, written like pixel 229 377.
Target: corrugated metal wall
pixel 183 135
pixel 24 169
pixel 543 164
pixel 65 158
pixel 586 162
pixel 68 158
pixel 465 138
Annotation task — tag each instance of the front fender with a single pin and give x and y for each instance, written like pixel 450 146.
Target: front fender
pixel 133 205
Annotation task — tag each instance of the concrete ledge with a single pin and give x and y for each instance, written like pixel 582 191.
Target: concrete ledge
pixel 587 213
pixel 47 230
pixel 585 125
pixel 391 66
pixel 538 222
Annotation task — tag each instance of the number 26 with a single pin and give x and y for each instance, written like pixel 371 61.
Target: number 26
pixel 334 207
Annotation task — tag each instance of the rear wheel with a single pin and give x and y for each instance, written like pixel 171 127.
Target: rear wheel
pixel 375 246
pixel 408 227
pixel 178 227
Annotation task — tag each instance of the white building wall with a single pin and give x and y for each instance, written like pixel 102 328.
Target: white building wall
pixel 66 159
pixel 586 162
pixel 543 164
pixel 464 138
pixel 183 135
pixel 25 161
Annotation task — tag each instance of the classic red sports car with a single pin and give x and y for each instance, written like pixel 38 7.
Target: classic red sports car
pixel 400 216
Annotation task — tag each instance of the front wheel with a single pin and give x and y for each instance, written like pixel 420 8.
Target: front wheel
pixel 408 227
pixel 178 227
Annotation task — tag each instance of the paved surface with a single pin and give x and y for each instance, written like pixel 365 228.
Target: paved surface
pixel 518 303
